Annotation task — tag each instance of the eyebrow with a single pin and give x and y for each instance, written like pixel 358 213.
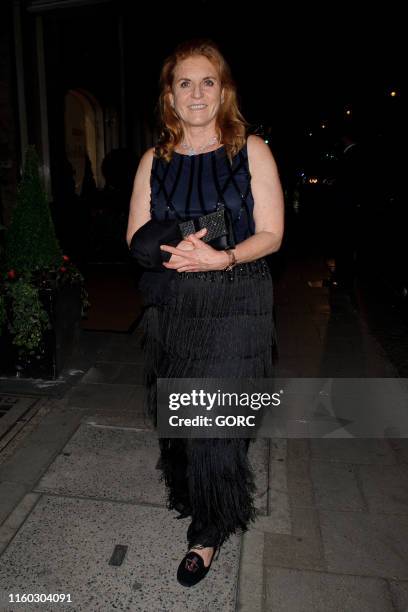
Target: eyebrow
pixel 203 79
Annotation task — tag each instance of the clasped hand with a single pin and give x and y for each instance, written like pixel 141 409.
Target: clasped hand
pixel 194 255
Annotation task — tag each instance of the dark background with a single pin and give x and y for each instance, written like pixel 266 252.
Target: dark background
pixel 298 70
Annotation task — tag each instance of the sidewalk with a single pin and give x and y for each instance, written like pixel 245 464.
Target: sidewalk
pixel 79 478
pixel 336 537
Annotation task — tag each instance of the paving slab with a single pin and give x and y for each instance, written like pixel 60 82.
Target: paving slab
pixel 125 418
pixel 286 551
pixel 39 386
pixel 65 546
pixel 35 453
pixel 120 464
pixel 365 544
pixel 250 596
pixel 290 590
pixel 92 397
pixel 336 487
pixel 12 409
pixel 15 519
pixel 114 372
pixel 359 451
pixel 24 427
pixel 10 495
pixel 302 549
pixel 300 489
pixel 306 523
pixel 399 593
pixel 107 463
pixel 385 487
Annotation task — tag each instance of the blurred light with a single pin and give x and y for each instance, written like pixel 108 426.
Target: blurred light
pixel 393 93
pixel 267 141
pixel 348 112
pixel 310 133
pixel 313 180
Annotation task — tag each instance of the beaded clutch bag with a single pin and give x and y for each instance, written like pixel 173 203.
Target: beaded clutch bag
pixel 220 234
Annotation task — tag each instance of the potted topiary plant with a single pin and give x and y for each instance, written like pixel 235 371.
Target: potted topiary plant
pixel 42 293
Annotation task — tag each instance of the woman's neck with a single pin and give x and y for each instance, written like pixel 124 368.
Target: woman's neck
pixel 197 138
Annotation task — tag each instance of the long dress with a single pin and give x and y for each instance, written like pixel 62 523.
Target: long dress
pixel 213 324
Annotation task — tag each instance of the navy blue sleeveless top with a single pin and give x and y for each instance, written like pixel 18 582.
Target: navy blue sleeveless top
pixel 189 186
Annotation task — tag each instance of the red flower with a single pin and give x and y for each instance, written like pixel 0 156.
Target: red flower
pixel 11 274
pixel 63 269
pixel 65 257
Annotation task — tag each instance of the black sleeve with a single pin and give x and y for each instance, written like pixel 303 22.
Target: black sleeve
pixel 145 243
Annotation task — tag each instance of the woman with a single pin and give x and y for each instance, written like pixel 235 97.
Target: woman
pixel 213 316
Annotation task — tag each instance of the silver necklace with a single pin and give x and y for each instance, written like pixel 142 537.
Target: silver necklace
pixel 192 151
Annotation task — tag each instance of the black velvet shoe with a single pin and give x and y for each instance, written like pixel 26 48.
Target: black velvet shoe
pixel 192 569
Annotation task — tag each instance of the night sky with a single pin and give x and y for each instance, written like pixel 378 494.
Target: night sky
pixel 297 65
pixel 294 67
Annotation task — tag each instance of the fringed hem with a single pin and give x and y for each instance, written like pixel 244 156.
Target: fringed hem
pixel 214 479
pixel 221 485
pixel 213 324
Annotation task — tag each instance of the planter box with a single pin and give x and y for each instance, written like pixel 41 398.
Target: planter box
pixel 63 306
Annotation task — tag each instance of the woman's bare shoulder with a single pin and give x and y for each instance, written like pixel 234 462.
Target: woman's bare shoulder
pixel 260 156
pixel 147 156
pixel 257 146
pixel 145 162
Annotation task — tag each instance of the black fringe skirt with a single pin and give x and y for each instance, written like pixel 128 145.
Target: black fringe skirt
pixel 210 325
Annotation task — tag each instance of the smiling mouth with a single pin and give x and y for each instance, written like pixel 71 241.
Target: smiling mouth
pixel 197 107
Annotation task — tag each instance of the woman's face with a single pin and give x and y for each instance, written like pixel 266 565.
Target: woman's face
pixel 196 92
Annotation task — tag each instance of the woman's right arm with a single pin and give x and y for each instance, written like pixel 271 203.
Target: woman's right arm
pixel 139 210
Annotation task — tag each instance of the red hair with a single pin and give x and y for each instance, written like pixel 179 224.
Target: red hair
pixel 231 126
